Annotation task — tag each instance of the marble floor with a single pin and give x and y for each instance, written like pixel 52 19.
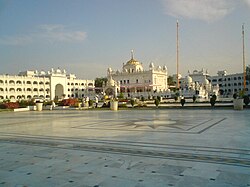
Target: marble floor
pixel 125 148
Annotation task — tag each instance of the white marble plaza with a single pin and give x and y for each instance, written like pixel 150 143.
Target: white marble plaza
pixel 125 148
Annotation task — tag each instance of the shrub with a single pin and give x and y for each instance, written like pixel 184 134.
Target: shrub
pixel 194 98
pixel 9 105
pixel 157 102
pixel 68 102
pixel 213 100
pixel 246 99
pixel 132 102
pixel 183 102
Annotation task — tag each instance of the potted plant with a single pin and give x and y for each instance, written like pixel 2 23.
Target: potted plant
pixel 238 102
pixel 39 105
pixel 114 104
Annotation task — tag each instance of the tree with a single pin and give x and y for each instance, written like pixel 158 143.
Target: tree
pixel 171 81
pixel 99 82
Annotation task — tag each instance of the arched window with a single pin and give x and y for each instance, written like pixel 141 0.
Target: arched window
pixel 19 89
pixel 11 82
pixel 35 82
pixel 47 83
pixel 1 81
pixel 90 84
pixel 29 89
pixel 18 82
pixel 35 89
pixel 28 82
pixel 41 89
pixel 40 82
pixel 1 89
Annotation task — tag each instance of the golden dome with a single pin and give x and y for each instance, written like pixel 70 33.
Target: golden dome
pixel 133 62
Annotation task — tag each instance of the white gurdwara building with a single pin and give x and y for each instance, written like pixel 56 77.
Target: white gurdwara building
pixel 54 84
pixel 133 80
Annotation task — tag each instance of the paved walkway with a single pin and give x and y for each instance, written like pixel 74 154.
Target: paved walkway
pixel 130 148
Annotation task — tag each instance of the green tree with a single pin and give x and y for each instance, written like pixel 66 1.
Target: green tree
pixel 171 81
pixel 99 82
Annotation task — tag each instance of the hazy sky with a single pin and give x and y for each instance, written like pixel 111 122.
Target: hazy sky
pixel 86 37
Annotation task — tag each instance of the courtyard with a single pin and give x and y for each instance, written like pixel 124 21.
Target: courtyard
pixel 128 148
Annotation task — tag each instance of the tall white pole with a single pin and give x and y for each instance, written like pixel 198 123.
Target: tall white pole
pixel 243 58
pixel 177 54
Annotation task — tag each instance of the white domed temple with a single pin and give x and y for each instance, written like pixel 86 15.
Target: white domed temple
pixel 134 80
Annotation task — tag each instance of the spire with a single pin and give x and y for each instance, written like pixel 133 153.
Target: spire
pixel 132 54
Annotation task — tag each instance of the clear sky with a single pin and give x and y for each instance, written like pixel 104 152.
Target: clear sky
pixel 86 37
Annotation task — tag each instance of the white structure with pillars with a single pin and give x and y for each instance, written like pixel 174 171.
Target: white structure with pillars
pixel 54 84
pixel 135 81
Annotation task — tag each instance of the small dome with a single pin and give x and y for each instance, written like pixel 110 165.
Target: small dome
pixel 189 79
pixel 58 71
pixel 109 70
pixel 151 65
pixel 206 81
pixel 133 62
pixel 165 68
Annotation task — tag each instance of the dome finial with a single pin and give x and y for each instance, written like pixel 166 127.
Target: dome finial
pixel 132 54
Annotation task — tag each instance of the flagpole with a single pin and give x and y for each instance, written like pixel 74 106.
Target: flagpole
pixel 177 54
pixel 243 57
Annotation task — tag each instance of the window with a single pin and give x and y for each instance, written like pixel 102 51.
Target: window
pixel 136 80
pixel 11 82
pixel 128 81
pixel 35 82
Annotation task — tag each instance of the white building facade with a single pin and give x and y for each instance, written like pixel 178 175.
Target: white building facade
pixel 197 83
pixel 230 83
pixel 54 84
pixel 135 81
